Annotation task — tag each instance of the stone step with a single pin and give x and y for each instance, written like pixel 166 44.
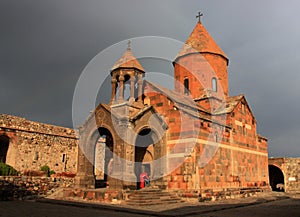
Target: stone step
pixel 160 194
pixel 148 190
pixel 157 202
pixel 147 197
pixel 154 199
pixel 150 195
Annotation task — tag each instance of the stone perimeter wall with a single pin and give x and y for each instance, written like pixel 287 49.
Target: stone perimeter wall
pixel 291 171
pixel 33 144
pixel 27 187
pixel 293 174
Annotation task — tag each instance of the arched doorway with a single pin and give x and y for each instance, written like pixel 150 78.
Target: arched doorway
pixel 103 158
pixel 276 178
pixel 144 151
pixel 147 160
pixel 4 143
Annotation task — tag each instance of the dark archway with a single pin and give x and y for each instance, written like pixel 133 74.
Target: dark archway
pixel 143 153
pixel 276 178
pixel 4 143
pixel 103 158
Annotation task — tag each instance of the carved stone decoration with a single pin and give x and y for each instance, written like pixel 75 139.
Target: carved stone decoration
pixel 123 130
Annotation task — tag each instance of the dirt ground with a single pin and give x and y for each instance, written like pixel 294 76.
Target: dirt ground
pixel 275 205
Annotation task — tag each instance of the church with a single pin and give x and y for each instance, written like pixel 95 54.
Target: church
pixel 194 137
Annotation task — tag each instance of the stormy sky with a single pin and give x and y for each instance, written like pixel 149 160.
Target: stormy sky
pixel 45 46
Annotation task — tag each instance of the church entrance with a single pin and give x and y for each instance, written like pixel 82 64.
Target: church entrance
pixel 4 143
pixel 144 151
pixel 276 178
pixel 103 158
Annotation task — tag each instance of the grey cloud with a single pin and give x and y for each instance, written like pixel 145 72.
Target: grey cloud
pixel 45 45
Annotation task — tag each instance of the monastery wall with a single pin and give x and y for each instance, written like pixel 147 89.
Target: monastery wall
pixel 32 145
pixel 290 168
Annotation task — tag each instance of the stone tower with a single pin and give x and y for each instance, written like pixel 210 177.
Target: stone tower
pixel 127 70
pixel 200 68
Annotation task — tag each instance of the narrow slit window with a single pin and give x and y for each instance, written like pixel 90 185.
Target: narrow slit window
pixel 63 158
pixel 214 84
pixel 186 86
pixel 36 156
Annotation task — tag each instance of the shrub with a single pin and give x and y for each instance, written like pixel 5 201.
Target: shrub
pixel 51 172
pixel 6 170
pixel 46 169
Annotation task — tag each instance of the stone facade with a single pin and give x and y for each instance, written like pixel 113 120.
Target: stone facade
pixel 195 140
pixel 31 145
pixel 239 161
pixel 285 171
pixel 195 137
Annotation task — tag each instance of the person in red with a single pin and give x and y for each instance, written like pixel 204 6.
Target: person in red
pixel 144 180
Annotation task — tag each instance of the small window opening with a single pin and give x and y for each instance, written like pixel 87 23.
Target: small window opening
pixel 243 108
pixel 186 86
pixel 214 84
pixel 36 156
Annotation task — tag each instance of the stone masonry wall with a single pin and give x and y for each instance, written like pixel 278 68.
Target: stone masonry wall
pixel 240 161
pixel 33 144
pixel 27 187
pixel 291 171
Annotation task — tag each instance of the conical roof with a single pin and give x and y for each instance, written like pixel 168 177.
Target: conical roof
pixel 128 60
pixel 200 41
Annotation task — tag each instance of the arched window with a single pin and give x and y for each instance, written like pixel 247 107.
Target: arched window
pixel 186 86
pixel 214 84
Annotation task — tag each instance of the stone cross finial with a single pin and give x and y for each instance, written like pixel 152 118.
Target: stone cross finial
pixel 129 45
pixel 199 16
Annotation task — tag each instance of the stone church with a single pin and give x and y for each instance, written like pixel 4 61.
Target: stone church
pixel 195 137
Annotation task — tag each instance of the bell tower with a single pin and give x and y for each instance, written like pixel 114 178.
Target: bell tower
pixel 127 70
pixel 200 68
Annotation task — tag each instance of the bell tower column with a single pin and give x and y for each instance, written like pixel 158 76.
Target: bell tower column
pixel 132 81
pixel 140 88
pixel 113 89
pixel 121 89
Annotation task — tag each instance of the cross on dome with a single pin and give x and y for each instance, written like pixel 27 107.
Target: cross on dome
pixel 199 16
pixel 129 45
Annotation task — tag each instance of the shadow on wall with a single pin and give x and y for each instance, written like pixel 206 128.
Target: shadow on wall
pixel 4 143
pixel 11 191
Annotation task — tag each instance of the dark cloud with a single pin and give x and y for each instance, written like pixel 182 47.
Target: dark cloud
pixel 45 45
